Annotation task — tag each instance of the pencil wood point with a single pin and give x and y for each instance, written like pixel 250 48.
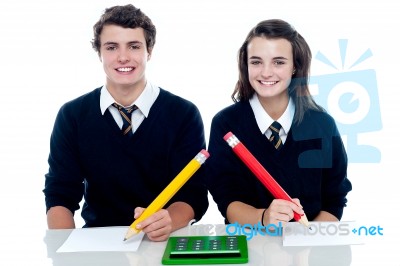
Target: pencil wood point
pixel 131 232
pixel 304 221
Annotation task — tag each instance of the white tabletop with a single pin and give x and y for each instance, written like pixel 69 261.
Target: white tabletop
pixel 38 248
pixel 263 250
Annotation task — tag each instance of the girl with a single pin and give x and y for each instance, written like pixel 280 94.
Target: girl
pixel 306 156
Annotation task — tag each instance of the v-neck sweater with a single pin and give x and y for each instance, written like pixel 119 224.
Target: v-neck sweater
pixel 90 157
pixel 311 165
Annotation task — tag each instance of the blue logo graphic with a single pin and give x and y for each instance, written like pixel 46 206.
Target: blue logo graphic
pixel 316 228
pixel 352 99
pixel 250 230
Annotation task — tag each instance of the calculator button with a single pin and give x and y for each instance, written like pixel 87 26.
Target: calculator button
pixel 219 249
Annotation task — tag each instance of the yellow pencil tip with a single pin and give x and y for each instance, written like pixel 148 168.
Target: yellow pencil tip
pixel 125 239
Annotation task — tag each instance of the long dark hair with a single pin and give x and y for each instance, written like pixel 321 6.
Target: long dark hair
pixel 298 89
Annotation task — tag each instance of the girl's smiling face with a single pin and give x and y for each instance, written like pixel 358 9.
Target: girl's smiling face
pixel 270 67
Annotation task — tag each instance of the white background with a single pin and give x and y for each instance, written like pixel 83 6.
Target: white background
pixel 46 59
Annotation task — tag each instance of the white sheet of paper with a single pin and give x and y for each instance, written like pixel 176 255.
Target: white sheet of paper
pixel 323 234
pixel 101 239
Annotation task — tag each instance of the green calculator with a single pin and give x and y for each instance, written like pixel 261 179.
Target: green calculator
pixel 206 250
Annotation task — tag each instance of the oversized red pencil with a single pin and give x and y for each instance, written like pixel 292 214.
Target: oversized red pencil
pixel 261 173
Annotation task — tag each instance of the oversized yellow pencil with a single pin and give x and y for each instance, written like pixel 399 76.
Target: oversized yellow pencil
pixel 169 191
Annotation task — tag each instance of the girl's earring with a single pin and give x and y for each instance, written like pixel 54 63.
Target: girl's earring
pixel 294 71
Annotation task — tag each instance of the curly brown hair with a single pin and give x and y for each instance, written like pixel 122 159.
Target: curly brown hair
pixel 127 16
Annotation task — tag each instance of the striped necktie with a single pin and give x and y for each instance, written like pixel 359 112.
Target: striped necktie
pixel 275 139
pixel 126 114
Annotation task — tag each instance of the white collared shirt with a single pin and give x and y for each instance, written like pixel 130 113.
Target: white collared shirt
pixel 264 120
pixel 143 102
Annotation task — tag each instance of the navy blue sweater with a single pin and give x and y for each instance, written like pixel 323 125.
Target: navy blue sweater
pixel 90 157
pixel 311 166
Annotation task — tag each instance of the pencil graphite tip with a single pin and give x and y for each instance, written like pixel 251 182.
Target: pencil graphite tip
pixel 125 238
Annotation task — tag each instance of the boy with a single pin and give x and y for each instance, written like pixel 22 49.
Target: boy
pixel 120 145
